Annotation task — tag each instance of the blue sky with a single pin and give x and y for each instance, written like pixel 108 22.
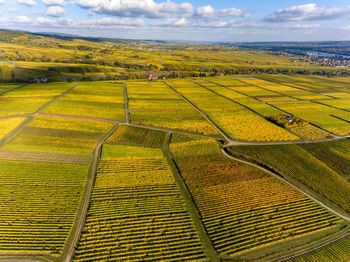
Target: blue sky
pixel 228 20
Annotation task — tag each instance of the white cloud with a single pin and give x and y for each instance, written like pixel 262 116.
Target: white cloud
pixel 171 22
pixel 307 12
pixel 205 24
pixel 347 27
pixel 53 2
pixel 27 2
pixel 22 20
pixel 208 13
pixel 136 8
pixel 55 11
pixel 106 22
pixel 2 2
pixel 63 23
pixel 13 10
pixel 305 26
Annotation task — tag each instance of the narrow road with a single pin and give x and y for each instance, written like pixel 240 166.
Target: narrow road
pixel 192 207
pixel 55 99
pixel 13 89
pixel 315 248
pixel 175 131
pixel 126 104
pixel 79 222
pixel 199 111
pixel 344 217
pixel 82 117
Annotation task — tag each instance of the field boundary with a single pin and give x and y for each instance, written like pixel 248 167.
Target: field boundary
pixel 199 111
pixel 126 104
pixel 84 205
pixel 192 208
pixel 288 182
pixel 315 248
pixel 13 89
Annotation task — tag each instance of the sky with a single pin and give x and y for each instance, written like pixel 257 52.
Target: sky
pixel 181 20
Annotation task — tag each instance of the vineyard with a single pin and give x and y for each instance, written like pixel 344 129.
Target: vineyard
pixel 154 104
pixel 338 251
pixel 306 168
pixel 153 171
pixel 137 136
pixel 38 203
pixel 137 211
pixel 234 119
pixel 269 211
pixel 102 100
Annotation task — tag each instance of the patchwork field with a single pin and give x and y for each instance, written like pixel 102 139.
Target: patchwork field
pixel 138 170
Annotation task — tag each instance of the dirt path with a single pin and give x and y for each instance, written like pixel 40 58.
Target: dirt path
pixel 315 248
pixel 283 179
pixel 143 137
pixel 192 207
pixel 126 104
pixel 13 89
pixel 79 222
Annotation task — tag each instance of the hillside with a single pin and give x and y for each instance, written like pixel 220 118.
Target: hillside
pixel 26 56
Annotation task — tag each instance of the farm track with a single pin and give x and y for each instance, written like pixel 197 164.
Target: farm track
pixel 14 89
pixel 126 104
pixel 192 207
pixel 315 248
pixel 79 223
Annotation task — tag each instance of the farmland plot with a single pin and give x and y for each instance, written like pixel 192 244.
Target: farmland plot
pixel 241 207
pixel 236 121
pixel 137 212
pixel 155 104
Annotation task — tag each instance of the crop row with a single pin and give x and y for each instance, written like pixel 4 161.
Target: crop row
pixel 241 207
pixel 154 104
pixel 296 162
pixel 234 119
pixel 38 203
pixel 137 136
pixel 137 213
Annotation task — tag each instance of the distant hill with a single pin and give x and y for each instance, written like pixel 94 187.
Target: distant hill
pixel 26 56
